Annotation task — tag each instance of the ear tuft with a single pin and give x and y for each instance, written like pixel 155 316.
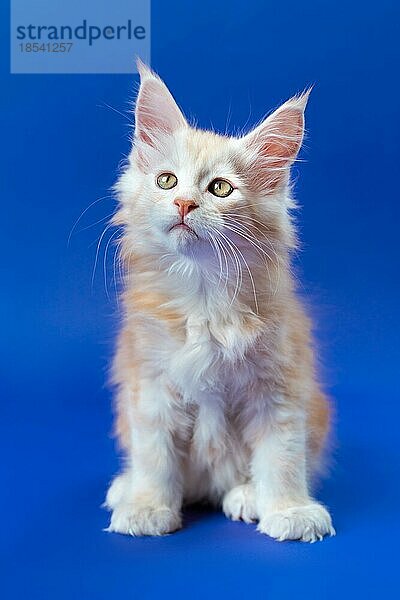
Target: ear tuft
pixel 144 70
pixel 299 101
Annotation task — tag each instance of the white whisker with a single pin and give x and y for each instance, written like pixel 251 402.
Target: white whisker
pixel 232 249
pixel 247 267
pixel 105 262
pixel 83 213
pixel 98 250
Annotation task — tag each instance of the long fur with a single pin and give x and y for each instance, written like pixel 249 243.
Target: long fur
pixel 217 395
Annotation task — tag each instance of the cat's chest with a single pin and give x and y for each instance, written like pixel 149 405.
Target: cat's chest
pixel 213 346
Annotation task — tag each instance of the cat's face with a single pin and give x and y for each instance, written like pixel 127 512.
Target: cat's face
pixel 191 191
pixel 188 186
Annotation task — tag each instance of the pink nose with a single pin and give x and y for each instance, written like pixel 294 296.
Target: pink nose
pixel 185 206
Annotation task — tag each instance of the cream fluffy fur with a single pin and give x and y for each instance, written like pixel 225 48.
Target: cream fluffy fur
pixel 217 394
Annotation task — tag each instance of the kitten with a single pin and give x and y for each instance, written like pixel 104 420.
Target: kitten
pixel 217 393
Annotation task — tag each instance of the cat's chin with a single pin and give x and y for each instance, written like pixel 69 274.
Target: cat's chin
pixel 183 238
pixel 191 246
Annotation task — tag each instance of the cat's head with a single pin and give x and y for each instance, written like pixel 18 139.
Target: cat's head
pixel 189 191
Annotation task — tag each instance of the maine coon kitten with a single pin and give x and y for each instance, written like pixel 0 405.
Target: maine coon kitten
pixel 217 393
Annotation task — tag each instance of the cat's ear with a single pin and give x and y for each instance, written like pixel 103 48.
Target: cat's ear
pixel 156 112
pixel 273 145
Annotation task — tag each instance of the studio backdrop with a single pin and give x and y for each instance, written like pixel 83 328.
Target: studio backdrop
pixel 68 83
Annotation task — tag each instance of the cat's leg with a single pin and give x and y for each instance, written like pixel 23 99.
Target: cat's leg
pixel 279 472
pixel 215 450
pixel 239 504
pixel 146 499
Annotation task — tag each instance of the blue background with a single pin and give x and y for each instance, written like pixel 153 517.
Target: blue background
pixel 60 149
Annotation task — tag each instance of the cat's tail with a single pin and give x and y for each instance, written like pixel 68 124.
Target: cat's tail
pixel 319 442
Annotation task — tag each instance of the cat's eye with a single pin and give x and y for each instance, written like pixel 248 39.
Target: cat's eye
pixel 166 181
pixel 220 188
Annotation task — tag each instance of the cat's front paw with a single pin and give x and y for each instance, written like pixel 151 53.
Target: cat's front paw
pixel 239 503
pixel 146 520
pixel 307 523
pixel 118 489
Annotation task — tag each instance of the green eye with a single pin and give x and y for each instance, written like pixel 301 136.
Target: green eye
pixel 220 188
pixel 166 181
